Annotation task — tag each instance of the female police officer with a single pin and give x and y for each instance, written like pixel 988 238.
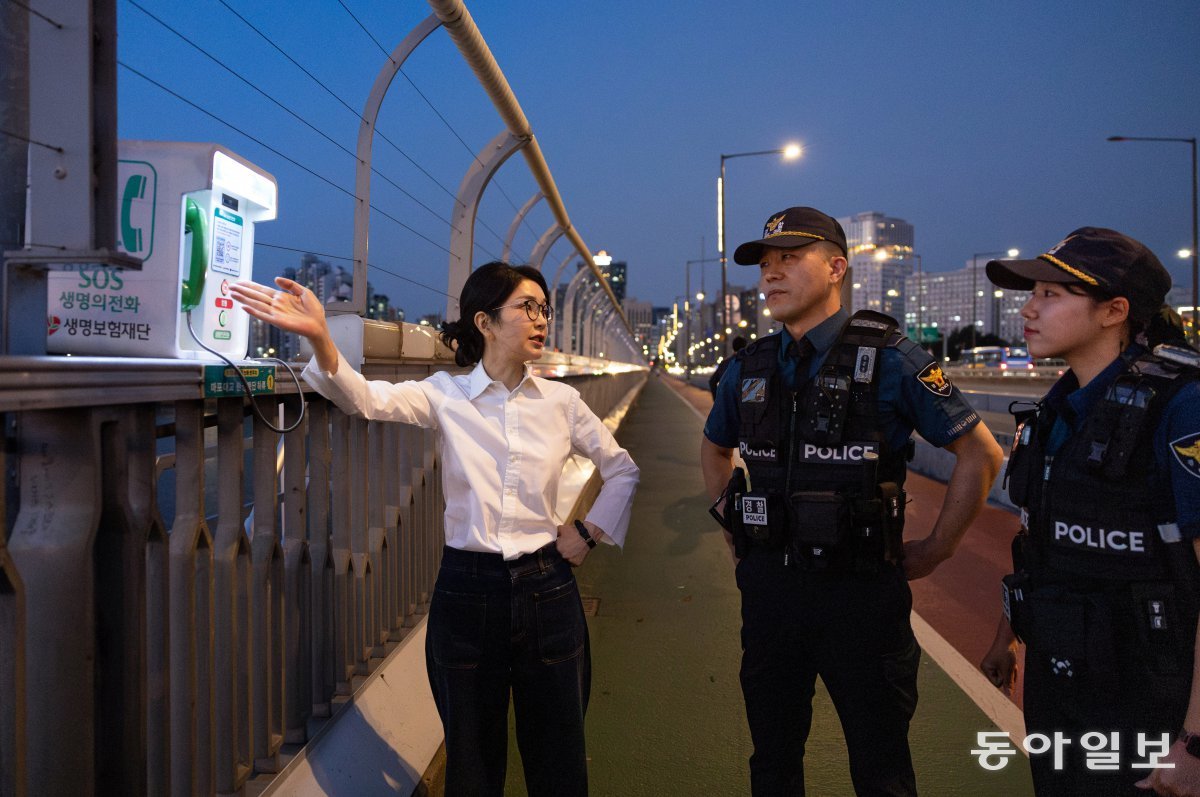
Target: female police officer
pixel 1106 469
pixel 506 614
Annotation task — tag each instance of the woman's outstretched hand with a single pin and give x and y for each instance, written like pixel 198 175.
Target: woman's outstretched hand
pixel 292 308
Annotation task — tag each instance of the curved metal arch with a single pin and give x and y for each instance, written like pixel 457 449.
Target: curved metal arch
pixel 587 325
pixel 552 234
pixel 362 171
pixel 567 326
pixel 516 222
pixel 462 29
pixel 558 272
pixel 556 329
pixel 462 234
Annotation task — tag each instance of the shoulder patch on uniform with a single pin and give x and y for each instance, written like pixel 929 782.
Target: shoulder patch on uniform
pixel 754 390
pixel 934 380
pixel 1187 451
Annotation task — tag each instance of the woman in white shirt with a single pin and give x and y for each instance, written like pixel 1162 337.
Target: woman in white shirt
pixel 506 615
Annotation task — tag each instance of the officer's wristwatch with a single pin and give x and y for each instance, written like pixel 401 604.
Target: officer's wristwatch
pixel 1191 742
pixel 583 532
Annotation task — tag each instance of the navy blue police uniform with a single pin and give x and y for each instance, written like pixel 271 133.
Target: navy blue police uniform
pixel 1106 587
pixel 815 601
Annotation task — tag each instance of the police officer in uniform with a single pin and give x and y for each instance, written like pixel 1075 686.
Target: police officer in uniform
pixel 1106 587
pixel 822 414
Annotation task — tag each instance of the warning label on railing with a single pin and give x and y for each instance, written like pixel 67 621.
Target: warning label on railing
pixel 221 381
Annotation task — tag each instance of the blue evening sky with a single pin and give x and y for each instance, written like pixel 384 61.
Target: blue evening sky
pixel 982 124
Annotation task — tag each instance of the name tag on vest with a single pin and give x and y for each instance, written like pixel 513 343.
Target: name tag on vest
pixel 754 510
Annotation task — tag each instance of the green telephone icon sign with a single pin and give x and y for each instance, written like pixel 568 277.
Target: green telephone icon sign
pixel 138 198
pixel 131 237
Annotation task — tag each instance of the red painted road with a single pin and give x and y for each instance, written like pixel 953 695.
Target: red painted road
pixel 961 599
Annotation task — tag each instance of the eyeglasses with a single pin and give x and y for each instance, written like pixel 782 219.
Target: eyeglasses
pixel 531 309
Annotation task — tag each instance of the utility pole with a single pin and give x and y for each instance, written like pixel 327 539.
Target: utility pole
pixel 14 122
pixel 70 163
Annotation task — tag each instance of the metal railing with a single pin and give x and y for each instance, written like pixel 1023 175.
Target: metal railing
pixel 184 592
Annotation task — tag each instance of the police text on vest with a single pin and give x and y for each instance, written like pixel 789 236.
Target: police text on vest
pixel 850 452
pixel 1100 539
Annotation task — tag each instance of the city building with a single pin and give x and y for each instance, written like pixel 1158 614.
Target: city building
pixel 947 304
pixel 946 294
pixel 616 274
pixel 328 283
pixel 880 251
pixel 661 318
pixel 641 319
pixel 751 311
pixel 379 307
pixel 871 230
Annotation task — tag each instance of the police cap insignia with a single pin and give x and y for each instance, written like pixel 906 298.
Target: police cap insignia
pixel 934 380
pixel 1187 453
pixel 754 390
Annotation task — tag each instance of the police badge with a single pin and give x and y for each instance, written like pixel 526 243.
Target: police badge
pixel 934 380
pixel 1187 453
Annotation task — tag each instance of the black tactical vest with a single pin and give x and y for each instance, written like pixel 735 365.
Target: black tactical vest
pixel 1096 510
pixel 830 485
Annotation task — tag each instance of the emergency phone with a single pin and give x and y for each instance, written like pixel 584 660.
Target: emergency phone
pixel 188 210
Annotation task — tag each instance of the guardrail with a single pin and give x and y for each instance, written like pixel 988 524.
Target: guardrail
pixel 183 592
pixel 1037 372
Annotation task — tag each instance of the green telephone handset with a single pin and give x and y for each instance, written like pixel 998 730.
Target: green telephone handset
pixel 131 237
pixel 193 286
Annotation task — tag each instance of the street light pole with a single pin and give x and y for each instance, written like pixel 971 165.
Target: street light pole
pixel 680 360
pixel 975 287
pixel 920 300
pixel 687 315
pixel 790 152
pixel 1195 223
pixel 687 270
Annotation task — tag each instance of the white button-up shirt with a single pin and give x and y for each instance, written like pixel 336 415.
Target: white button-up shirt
pixel 502 451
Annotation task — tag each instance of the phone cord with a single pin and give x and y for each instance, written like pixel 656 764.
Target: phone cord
pixel 246 384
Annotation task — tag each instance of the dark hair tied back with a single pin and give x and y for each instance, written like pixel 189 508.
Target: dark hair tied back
pixel 488 287
pixel 1165 326
pixel 465 340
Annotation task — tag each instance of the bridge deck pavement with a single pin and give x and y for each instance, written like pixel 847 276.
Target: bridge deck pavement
pixel 666 715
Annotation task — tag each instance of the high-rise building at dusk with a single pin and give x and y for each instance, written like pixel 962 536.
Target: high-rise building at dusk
pixel 379 307
pixel 751 311
pixel 661 318
pixel 948 304
pixel 328 283
pixel 641 319
pixel 616 274
pixel 880 253
pixel 871 230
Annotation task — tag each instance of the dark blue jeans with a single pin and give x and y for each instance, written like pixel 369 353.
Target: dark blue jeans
pixel 496 628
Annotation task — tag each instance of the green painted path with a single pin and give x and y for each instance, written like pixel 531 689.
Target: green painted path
pixel 666 715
